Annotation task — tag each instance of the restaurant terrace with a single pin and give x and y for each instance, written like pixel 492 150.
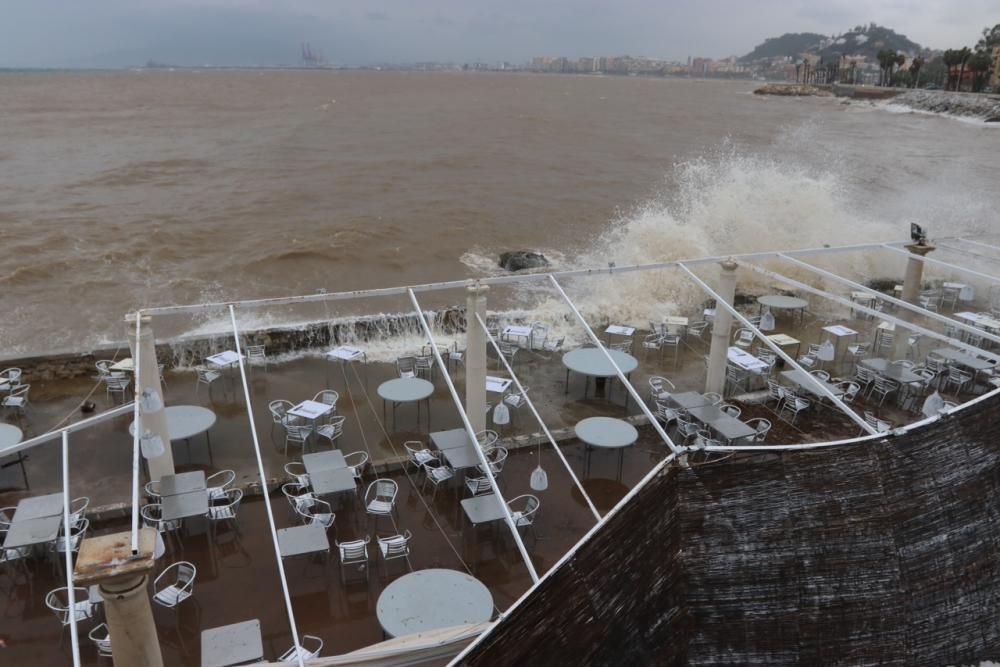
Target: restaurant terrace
pixel 237 505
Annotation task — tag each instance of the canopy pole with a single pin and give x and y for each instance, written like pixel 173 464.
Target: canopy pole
pixel 621 376
pixel 819 386
pixel 68 553
pixel 472 435
pixel 538 418
pixel 136 434
pixel 267 496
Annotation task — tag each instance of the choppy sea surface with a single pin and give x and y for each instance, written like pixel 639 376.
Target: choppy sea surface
pixel 135 189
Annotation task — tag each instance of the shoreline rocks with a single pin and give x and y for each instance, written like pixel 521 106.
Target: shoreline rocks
pixel 966 105
pixel 520 260
pixel 793 90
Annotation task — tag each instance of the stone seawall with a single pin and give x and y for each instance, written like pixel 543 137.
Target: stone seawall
pixel 186 352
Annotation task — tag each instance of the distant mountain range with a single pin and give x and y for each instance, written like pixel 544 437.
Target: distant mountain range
pixel 861 41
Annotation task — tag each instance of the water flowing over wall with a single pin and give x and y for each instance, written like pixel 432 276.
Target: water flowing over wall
pixel 883 552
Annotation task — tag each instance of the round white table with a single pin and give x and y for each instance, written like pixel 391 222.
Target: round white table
pixel 11 436
pixel 782 302
pixel 432 599
pixel 606 433
pixel 591 362
pixel 186 421
pixel 406 390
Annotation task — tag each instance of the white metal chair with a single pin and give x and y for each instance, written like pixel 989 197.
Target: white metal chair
pixel 175 584
pixel 883 387
pixel 478 486
pixel 380 498
pixel 517 399
pixel 539 335
pixel 256 356
pixel 776 393
pixel 665 413
pixel 116 387
pixel 957 377
pixel 394 547
pixel 101 637
pixel 357 462
pixel 524 510
pixel 736 378
pixel 227 510
pixel 297 434
pixel 496 458
pixel 76 509
pixel 743 338
pixel 487 439
pixel 437 473
pixel 761 427
pixel 424 365
pixel 508 351
pixel 353 553
pixel 418 458
pixel 57 600
pixel 731 410
pixel 206 376
pixel 17 399
pixel 313 511
pixel 551 347
pixel 297 471
pixel 456 355
pixel 71 542
pixel 687 429
pixel 794 404
pixel 297 495
pixel 216 484
pixel 658 388
pixel 332 430
pixel 820 375
pixel 880 425
pixel 712 397
pixel 850 390
pixel 328 397
pixel 152 516
pixel 406 367
pixel 309 649
pixel 9 378
pixel 279 414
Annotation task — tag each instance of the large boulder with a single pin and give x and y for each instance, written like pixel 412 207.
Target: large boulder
pixel 519 260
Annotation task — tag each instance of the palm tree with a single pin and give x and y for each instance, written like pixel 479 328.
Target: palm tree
pixel 963 58
pixel 979 65
pixel 951 57
pixel 915 66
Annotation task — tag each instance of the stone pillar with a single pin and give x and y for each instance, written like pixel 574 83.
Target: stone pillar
pixel 715 380
pixel 475 356
pixel 149 377
pixel 122 579
pixel 912 281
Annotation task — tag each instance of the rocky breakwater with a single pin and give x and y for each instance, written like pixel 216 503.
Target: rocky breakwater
pixel 965 105
pixel 793 90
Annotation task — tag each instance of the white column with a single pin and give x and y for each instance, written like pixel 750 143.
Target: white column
pixel 715 380
pixel 912 282
pixel 148 374
pixel 475 357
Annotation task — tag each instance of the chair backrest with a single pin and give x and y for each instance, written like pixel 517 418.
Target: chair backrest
pixel 820 374
pixel 228 508
pixel 278 409
pixel 356 461
pixel 487 438
pixel 879 425
pixel 497 458
pixel 220 480
pixel 297 470
pixel 298 432
pixel 658 384
pixel 255 351
pixel 204 374
pixel 78 506
pixel 336 427
pixel 417 456
pixel 395 546
pixel 355 551
pixel 761 427
pixel 152 514
pixel 296 494
pixel 624 346
pixel 424 361
pixel 665 412
pixel 327 396
pixel 101 637
pixel 314 510
pixel 775 389
pixel 744 335
pixel 58 601
pixel 527 514
pixel 383 489
pixel 11 375
pixel 850 390
pixel 731 410
pixel 478 485
pixel 104 367
pixel 712 397
pixel 406 366
pixel 22 390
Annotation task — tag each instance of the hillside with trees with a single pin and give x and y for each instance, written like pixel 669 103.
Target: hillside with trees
pixel 861 41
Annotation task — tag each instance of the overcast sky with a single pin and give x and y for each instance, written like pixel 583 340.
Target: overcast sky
pixel 75 33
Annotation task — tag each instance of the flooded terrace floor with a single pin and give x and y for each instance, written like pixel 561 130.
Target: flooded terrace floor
pixel 237 577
